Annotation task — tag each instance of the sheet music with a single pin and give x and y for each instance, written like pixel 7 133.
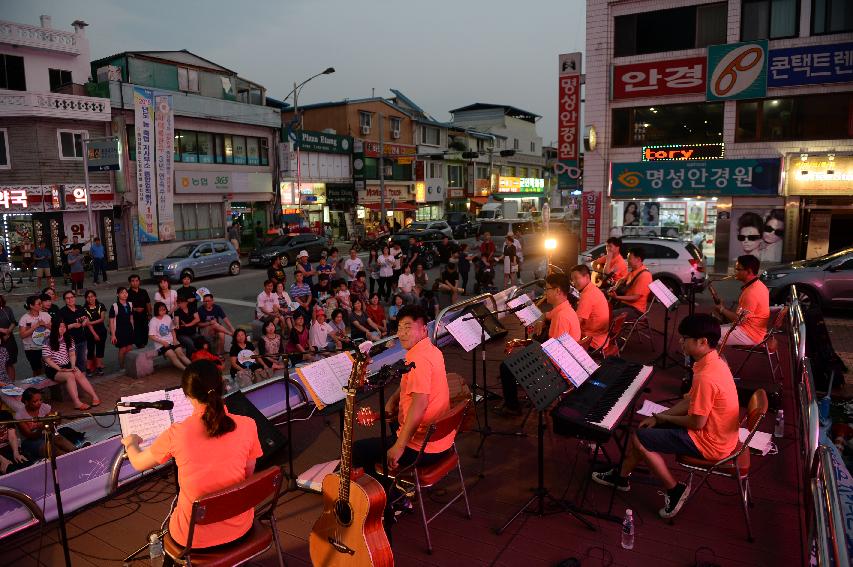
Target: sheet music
pixel 529 314
pixel 327 378
pixel 578 352
pixel 663 293
pixel 501 300
pixel 761 441
pixel 149 423
pixel 650 408
pixel 183 408
pixel 467 331
pixel 565 361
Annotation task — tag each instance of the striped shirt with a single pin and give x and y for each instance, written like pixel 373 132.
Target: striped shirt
pixel 59 357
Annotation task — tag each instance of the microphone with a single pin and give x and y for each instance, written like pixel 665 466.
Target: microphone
pixel 158 405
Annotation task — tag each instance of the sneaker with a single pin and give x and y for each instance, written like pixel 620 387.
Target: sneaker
pixel 612 478
pixel 404 505
pixel 89 374
pixel 673 500
pixel 99 371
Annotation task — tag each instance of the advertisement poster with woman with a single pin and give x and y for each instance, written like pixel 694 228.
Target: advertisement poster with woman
pixel 759 231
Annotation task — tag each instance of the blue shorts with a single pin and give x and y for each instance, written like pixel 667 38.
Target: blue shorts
pixel 671 440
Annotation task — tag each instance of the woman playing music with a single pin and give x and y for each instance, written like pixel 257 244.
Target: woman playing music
pixel 213 449
pixel 239 343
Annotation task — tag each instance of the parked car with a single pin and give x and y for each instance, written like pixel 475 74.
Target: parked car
pixel 826 280
pixel 208 258
pixel 287 247
pixel 426 239
pixel 667 259
pixel 462 224
pixel 531 241
pixel 441 225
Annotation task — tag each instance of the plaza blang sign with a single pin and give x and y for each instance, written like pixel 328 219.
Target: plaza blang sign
pixel 310 141
pixel 730 177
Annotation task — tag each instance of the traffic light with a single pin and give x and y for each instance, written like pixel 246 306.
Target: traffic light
pixel 507 153
pixel 470 155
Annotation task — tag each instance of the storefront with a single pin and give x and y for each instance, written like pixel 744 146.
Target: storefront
pixel 49 212
pixel 340 202
pixel 527 192
pixel 713 203
pixel 399 205
pixel 819 188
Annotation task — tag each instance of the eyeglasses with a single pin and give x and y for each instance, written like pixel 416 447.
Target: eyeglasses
pixel 776 231
pixel 739 268
pixel 751 237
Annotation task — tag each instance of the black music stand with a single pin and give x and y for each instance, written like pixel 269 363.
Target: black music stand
pixel 667 299
pixel 533 370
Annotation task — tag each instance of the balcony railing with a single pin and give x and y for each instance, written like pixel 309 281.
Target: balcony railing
pixel 57 105
pixel 40 38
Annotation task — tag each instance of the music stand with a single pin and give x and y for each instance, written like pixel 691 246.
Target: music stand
pixel 668 300
pixel 533 370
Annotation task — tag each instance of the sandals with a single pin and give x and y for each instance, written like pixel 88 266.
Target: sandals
pixel 83 407
pixel 95 403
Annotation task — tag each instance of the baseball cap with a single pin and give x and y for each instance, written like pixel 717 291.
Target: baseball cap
pixel 302 253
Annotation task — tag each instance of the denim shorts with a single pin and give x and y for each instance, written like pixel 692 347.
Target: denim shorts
pixel 670 440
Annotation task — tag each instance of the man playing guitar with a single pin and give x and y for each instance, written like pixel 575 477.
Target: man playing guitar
pixel 593 309
pixel 632 294
pixel 754 298
pixel 562 318
pixel 611 265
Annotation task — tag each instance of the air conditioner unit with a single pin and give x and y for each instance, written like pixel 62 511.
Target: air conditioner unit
pixel 395 134
pixel 365 130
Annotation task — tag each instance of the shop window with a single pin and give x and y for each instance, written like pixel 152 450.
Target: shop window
pixel 229 149
pixel 58 79
pixel 670 30
pixel 252 152
pixel 70 144
pixel 430 135
pixel 831 16
pixel 187 80
pixel 12 73
pixel 454 176
pixel 481 145
pixel 508 171
pixel 814 117
pixel 522 172
pixel 4 149
pixel 264 151
pixel 533 147
pixel 482 172
pixel 670 124
pixel 769 19
pixel 188 146
pixel 365 120
pixel 436 170
pixel 395 125
pixel 195 221
pixel 515 143
pixel 205 147
pixel 239 150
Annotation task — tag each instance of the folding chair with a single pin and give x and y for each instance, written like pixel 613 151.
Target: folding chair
pixel 610 346
pixel 426 476
pixel 261 488
pixel 735 466
pixel 769 345
pixel 640 325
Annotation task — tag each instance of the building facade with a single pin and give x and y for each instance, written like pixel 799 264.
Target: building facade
pixel 220 167
pixel 727 123
pixel 45 119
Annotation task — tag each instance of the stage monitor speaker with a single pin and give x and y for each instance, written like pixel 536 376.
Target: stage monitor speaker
pixel 272 440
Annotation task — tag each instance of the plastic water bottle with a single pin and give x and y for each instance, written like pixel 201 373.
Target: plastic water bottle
pixel 628 530
pixel 155 550
pixel 779 430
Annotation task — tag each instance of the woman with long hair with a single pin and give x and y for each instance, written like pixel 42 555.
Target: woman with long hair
pixel 213 450
pixel 60 358
pixel 34 328
pixel 362 326
pixel 121 324
pixel 161 331
pixel 96 333
pixel 373 269
pixel 284 318
pixel 169 297
pixel 243 372
pixel 298 340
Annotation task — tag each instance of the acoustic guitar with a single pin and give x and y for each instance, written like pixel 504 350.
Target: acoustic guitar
pixel 349 532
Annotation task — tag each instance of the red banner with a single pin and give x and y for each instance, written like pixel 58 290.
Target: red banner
pixel 660 78
pixel 569 117
pixel 590 218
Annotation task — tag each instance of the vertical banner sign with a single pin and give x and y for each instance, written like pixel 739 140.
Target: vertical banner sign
pixel 568 121
pixel 590 218
pixel 164 127
pixel 146 203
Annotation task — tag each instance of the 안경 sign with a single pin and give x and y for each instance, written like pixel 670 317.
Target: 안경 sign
pixel 756 177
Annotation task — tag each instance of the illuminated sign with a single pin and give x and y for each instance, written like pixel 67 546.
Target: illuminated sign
pixel 825 174
pixel 676 152
pixel 420 192
pixel 14 197
pixel 521 184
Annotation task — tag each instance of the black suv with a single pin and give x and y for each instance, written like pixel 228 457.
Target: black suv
pixel 462 224
pixel 287 247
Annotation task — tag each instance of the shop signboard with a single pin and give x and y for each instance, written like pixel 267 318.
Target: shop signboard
pixel 520 186
pixel 434 191
pixel 457 193
pixel 340 197
pixel 568 120
pixel 164 128
pixel 737 71
pixel 659 78
pixel 821 175
pixel 54 198
pixel 732 177
pixel 143 101
pixel 590 218
pixel 371 149
pixel 372 194
pixel 322 142
pixel 358 170
pixel 810 65
pixel 103 155
pixel 681 152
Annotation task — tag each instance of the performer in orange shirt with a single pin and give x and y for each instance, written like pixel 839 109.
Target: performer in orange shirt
pixel 633 295
pixel 704 424
pixel 754 298
pixel 593 309
pixel 612 264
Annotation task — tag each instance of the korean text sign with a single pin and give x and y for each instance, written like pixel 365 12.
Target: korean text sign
pixel 659 78
pixel 143 102
pixel 590 218
pixel 747 177
pixel 810 65
pixel 568 123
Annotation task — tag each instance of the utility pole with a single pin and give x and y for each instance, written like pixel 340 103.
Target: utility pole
pixel 381 168
pixel 298 139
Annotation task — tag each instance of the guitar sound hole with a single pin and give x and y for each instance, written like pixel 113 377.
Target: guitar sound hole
pixel 343 512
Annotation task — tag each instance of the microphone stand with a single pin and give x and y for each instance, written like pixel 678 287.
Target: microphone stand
pixel 50 422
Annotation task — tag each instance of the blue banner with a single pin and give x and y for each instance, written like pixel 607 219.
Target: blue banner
pixel 810 65
pixel 730 177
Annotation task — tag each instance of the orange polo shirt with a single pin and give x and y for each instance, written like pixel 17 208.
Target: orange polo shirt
pixel 594 314
pixel 205 465
pixel 427 377
pixel 564 320
pixel 714 395
pixel 639 285
pixel 617 266
pixel 755 298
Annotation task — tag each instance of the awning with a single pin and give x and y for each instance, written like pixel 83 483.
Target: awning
pixel 388 207
pixel 479 200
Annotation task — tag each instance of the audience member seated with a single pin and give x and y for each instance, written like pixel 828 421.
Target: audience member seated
pixel 33 432
pixel 392 313
pixel 213 323
pixel 322 335
pixel 339 328
pixel 201 351
pixel 271 345
pixel 298 342
pixel 376 312
pixel 11 458
pixel 406 285
pixel 60 360
pixel 267 308
pixel 243 372
pixel 361 325
pixel 358 287
pixel 300 292
pixel 161 332
pixel 186 325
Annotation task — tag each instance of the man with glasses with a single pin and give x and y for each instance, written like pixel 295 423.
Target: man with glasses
pixel 754 298
pixel 632 294
pixel 704 424
pixel 561 318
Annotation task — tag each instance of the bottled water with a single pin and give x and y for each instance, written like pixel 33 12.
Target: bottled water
pixel 628 530
pixel 779 430
pixel 155 550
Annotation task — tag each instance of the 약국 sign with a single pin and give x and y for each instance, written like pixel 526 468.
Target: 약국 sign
pixel 810 65
pixel 737 70
pixel 756 177
pixel 660 78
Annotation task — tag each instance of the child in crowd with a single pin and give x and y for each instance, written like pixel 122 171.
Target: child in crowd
pixel 344 297
pixel 323 289
pixel 358 287
pixel 202 352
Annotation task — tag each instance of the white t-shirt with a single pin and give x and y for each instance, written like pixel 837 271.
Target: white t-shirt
pixel 397 254
pixel 266 304
pixel 44 411
pixel 518 252
pixel 171 301
pixel 161 328
pixel 28 321
pixel 318 334
pixel 406 282
pixel 353 267
pixel 386 266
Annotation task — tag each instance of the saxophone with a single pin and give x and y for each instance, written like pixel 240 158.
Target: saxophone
pixel 513 344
